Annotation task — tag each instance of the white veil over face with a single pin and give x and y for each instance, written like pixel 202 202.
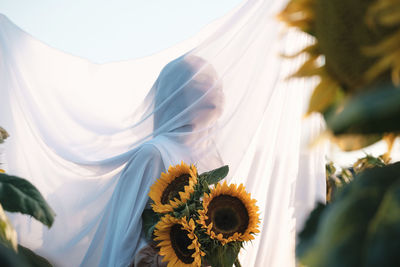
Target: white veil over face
pixel 93 138
pixel 188 100
pixel 187 96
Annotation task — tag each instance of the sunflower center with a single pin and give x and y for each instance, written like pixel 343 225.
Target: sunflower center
pixel 173 189
pixel 179 242
pixel 228 215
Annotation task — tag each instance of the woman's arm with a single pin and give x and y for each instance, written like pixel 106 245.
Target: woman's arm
pixel 124 227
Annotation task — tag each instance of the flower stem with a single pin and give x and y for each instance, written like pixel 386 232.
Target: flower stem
pixel 237 263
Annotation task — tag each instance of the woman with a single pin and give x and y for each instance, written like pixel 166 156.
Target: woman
pixel 187 103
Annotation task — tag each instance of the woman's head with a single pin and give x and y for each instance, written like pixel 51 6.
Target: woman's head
pixel 188 96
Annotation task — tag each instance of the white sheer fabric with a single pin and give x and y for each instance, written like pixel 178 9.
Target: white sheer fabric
pixel 93 137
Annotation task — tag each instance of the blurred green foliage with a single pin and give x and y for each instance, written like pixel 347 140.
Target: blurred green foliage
pixel 19 195
pixel 356 55
pixel 337 179
pixel 361 227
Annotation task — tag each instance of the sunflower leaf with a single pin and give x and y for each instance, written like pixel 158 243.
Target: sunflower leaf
pixel 19 195
pixel 204 187
pixel 199 192
pixel 150 219
pixel 358 228
pixel 374 111
pixel 306 236
pixel 186 212
pixel 214 176
pixel 8 257
pixel 34 259
pixel 192 206
pixel 381 246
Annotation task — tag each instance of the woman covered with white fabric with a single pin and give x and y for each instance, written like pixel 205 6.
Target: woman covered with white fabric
pixel 95 166
pixel 188 101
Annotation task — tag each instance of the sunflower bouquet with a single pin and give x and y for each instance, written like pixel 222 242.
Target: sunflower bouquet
pixel 196 220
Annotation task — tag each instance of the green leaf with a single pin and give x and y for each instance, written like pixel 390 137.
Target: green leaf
pixel 306 236
pixel 32 258
pixel 375 111
pixel 8 257
pixel 383 241
pixel 340 234
pixel 185 212
pixel 192 207
pixel 214 176
pixel 19 195
pixel 150 219
pixel 204 188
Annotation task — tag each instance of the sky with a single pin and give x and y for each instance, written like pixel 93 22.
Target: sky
pixel 104 30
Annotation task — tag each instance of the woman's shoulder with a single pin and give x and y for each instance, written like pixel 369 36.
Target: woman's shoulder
pixel 149 150
pixel 147 156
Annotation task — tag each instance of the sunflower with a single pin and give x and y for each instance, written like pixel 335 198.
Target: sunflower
pixel 385 13
pixel 173 188
pixel 358 47
pixel 350 52
pixel 178 243
pixel 229 214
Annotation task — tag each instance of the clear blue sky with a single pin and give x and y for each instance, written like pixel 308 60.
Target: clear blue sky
pixel 104 30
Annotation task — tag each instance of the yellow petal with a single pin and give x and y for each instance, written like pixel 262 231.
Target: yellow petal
pixel 323 95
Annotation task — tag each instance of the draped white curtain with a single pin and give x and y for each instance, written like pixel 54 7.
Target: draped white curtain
pixel 94 137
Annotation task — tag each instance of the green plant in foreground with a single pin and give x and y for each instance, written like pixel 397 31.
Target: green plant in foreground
pixel 360 228
pixel 336 180
pixel 19 195
pixel 356 55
